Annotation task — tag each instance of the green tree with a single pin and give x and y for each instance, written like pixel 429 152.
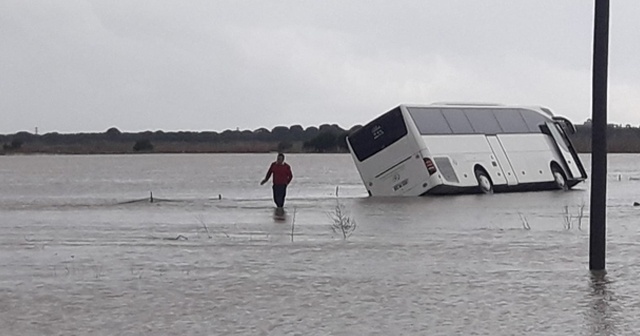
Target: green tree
pixel 280 133
pixel 284 146
pixel 15 144
pixel 323 142
pixel 143 145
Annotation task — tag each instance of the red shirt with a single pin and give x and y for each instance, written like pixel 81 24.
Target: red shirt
pixel 281 173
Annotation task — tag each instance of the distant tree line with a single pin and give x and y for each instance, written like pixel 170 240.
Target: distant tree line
pixel 324 139
pixel 620 139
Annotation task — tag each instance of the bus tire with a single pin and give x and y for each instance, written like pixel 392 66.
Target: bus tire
pixel 484 182
pixel 559 178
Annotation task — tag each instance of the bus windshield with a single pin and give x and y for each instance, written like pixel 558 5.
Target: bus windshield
pixel 378 134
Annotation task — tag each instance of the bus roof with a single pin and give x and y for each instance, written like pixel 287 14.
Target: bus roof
pixel 472 105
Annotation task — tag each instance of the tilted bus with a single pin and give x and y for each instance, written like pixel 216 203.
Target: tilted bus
pixel 416 150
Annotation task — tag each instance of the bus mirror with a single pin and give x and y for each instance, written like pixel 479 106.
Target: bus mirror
pixel 565 124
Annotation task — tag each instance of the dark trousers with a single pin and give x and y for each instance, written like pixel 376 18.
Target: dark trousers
pixel 279 193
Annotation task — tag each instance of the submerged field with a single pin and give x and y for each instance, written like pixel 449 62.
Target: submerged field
pixel 83 251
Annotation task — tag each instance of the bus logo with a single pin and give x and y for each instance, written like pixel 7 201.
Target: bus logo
pixel 401 184
pixel 377 132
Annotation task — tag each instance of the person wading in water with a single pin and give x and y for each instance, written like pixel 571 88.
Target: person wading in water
pixel 282 176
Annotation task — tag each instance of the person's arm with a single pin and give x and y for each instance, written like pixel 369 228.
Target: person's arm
pixel 266 178
pixel 290 174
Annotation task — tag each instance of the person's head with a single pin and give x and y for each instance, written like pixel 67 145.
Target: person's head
pixel 280 158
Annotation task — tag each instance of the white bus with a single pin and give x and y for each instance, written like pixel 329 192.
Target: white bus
pixel 416 150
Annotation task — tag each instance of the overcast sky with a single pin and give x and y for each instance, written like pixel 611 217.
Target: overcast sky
pixel 85 66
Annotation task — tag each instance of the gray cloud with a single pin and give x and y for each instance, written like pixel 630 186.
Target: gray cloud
pixel 79 66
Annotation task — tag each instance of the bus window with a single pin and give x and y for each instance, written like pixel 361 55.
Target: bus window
pixel 483 121
pixel 533 120
pixel 458 121
pixel 429 120
pixel 378 134
pixel 511 121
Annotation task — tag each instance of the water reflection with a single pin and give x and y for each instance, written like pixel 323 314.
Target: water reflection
pixel 599 314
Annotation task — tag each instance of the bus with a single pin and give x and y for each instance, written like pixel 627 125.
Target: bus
pixel 446 148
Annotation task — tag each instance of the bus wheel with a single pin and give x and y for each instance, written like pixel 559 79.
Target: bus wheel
pixel 484 182
pixel 559 179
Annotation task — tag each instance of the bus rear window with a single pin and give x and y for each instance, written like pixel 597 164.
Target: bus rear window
pixel 378 134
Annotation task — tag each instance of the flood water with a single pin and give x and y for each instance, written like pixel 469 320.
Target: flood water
pixel 83 251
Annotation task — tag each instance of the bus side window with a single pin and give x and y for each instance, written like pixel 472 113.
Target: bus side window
pixel 429 121
pixel 533 120
pixel 457 121
pixel 483 121
pixel 511 121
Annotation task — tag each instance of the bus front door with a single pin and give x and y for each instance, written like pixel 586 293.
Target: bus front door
pixel 502 159
pixel 570 157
